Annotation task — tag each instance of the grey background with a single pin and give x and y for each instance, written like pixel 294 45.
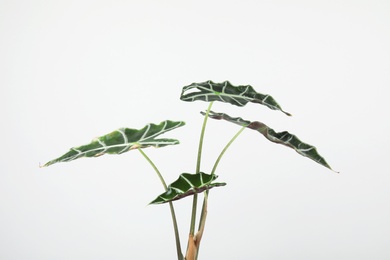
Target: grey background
pixel 74 70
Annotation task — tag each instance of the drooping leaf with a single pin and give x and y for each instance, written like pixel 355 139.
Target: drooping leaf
pixel 225 92
pixel 284 138
pixel 187 184
pixel 122 140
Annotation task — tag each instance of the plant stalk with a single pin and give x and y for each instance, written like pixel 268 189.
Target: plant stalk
pixel 198 161
pixel 191 246
pixel 173 215
pixel 200 148
pixel 204 206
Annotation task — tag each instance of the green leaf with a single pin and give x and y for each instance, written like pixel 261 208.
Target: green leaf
pixel 122 140
pixel 225 92
pixel 284 138
pixel 187 184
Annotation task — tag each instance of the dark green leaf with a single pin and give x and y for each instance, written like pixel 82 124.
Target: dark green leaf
pixel 122 140
pixel 284 138
pixel 225 92
pixel 187 184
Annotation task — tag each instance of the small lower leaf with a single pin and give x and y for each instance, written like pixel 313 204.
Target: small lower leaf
pixel 187 184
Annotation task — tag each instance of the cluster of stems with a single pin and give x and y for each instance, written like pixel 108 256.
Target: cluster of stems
pixel 193 238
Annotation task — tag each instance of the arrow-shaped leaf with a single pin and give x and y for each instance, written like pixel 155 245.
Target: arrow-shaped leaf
pixel 225 92
pixel 187 184
pixel 122 140
pixel 284 138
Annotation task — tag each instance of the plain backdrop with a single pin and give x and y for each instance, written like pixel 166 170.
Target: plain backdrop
pixel 74 70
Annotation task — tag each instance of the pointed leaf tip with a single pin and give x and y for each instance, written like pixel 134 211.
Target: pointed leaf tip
pixel 121 141
pixel 284 138
pixel 225 92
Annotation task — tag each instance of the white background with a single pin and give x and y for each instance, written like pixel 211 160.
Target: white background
pixel 74 70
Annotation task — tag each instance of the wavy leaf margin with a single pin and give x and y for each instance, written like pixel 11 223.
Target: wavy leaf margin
pixel 284 138
pixel 225 92
pixel 121 141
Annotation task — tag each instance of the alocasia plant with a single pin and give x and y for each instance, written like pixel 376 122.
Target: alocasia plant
pixel 190 184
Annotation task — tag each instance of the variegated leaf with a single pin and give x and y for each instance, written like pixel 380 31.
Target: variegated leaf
pixel 187 184
pixel 225 92
pixel 122 140
pixel 284 138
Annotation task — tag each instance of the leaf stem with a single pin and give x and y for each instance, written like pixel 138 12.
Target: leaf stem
pixel 155 168
pixel 173 215
pixel 225 148
pixel 198 161
pixel 202 137
pixel 204 206
pixel 195 196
